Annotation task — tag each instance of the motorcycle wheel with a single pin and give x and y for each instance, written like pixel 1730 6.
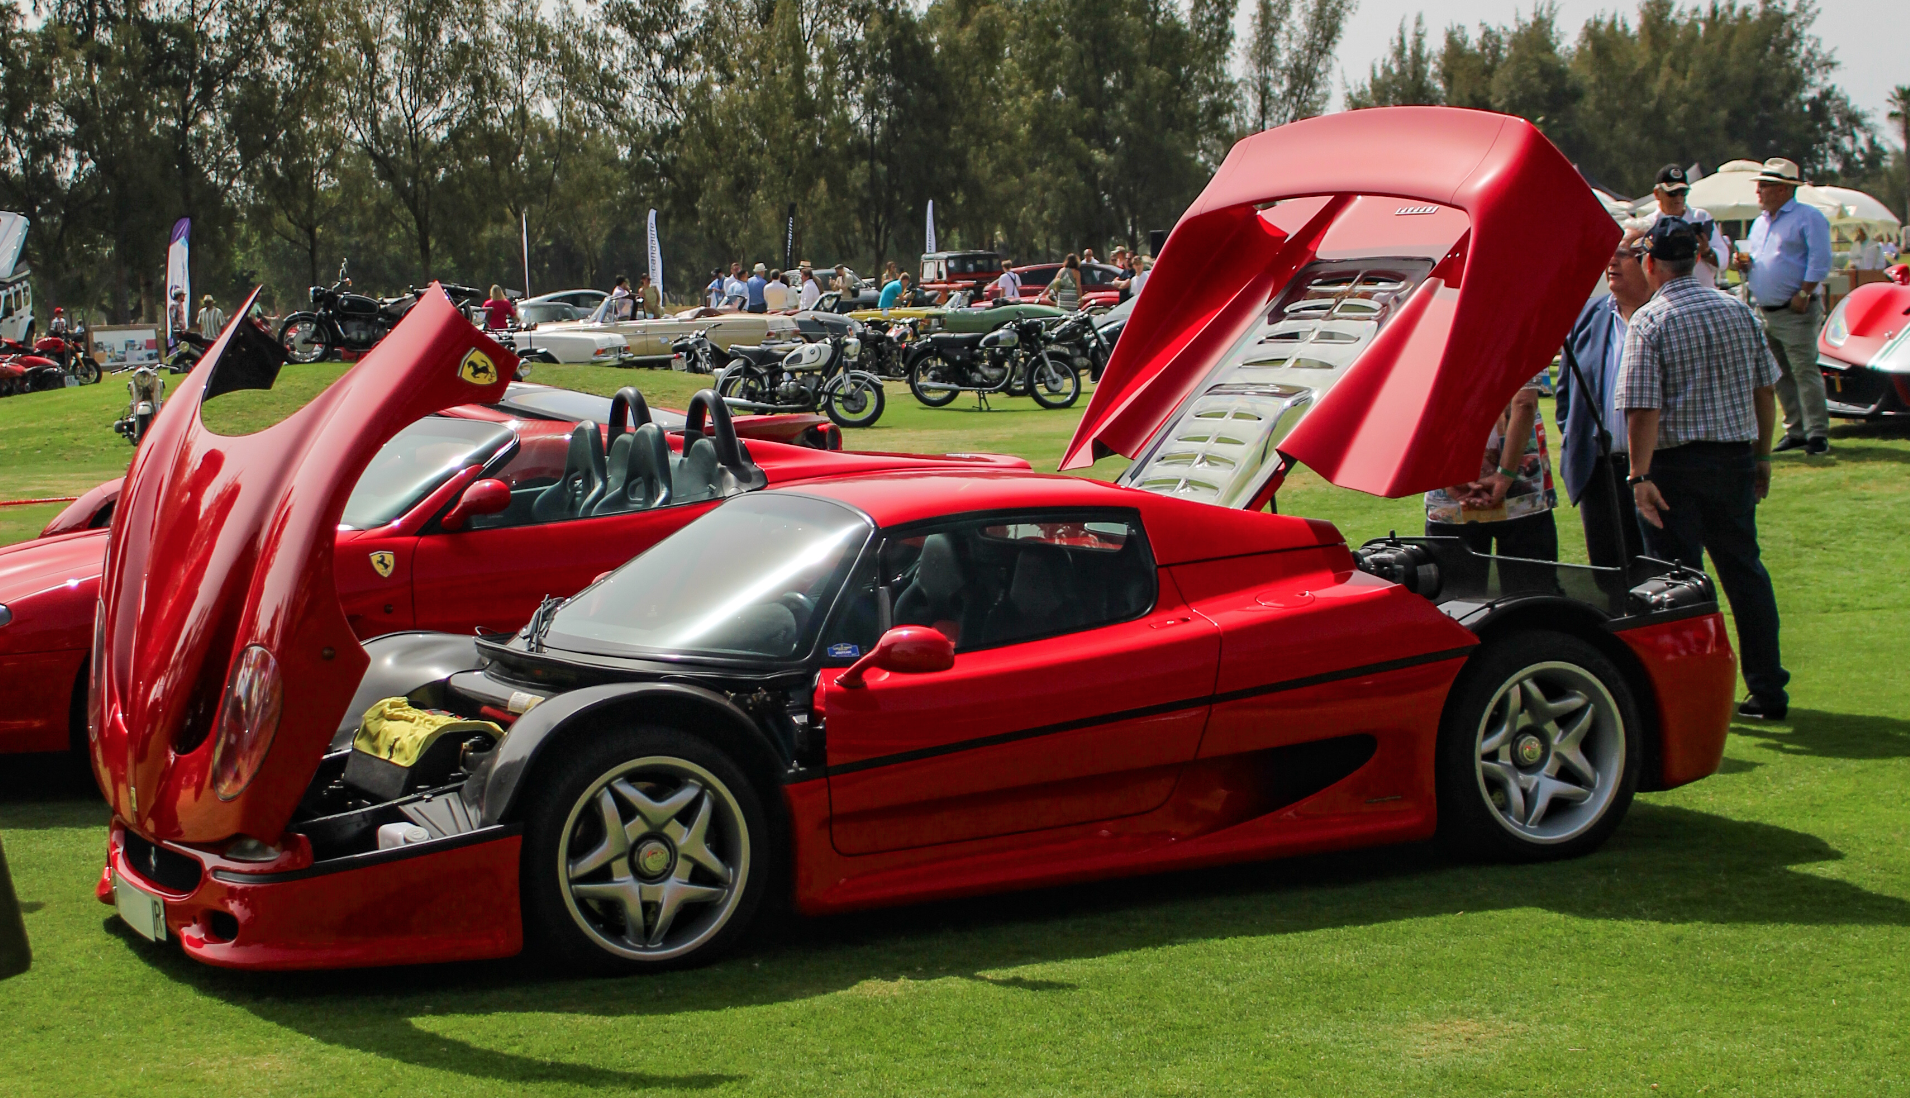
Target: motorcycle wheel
pixel 932 367
pixel 743 381
pixel 1053 383
pixel 856 401
pixel 304 338
pixel 87 371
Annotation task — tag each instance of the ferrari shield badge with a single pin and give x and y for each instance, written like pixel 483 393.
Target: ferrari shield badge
pixel 383 561
pixel 477 368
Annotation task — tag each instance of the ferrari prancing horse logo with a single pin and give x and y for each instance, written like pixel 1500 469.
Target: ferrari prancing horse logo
pixel 383 561
pixel 477 368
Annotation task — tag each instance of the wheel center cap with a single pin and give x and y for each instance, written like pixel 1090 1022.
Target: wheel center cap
pixel 652 858
pixel 1529 749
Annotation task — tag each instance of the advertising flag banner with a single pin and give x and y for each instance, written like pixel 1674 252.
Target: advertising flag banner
pixel 178 277
pixel 929 242
pixel 789 240
pixel 656 256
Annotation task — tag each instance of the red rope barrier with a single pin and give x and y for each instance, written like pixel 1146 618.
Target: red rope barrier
pixel 25 502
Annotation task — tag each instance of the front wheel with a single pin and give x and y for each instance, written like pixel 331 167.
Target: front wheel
pixel 1052 382
pixel 644 849
pixel 933 369
pixel 1538 750
pixel 86 371
pixel 304 338
pixel 855 401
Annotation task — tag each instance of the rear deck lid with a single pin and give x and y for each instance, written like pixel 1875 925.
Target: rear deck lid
pixel 1361 293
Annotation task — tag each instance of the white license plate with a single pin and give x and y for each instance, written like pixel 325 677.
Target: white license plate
pixel 143 911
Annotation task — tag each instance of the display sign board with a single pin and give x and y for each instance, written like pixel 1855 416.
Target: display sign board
pixel 119 346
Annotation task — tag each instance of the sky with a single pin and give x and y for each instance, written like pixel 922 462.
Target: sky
pixel 1870 37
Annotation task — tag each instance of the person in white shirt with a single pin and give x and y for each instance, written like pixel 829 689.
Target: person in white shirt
pixel 776 293
pixel 1670 191
pixel 1865 253
pixel 1008 286
pixel 811 292
pixel 735 290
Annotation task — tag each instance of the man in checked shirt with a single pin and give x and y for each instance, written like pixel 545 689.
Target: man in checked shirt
pixel 1696 385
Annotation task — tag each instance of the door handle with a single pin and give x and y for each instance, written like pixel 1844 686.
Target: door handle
pixel 1163 624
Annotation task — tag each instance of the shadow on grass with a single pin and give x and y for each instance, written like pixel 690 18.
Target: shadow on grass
pixel 1813 732
pixel 50 790
pixel 1667 865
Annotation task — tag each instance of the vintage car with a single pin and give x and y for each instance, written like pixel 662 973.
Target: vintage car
pixel 545 332
pixel 1097 283
pixel 865 688
pixel 944 273
pixel 1863 351
pixel 584 301
pixel 650 340
pixel 403 561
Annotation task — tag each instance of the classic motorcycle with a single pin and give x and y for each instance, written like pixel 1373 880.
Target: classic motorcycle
pixel 1016 359
pixel 812 376
pixel 1081 340
pixel 68 349
pixel 343 321
pixel 885 347
pixel 148 390
pixel 24 370
pixel 701 355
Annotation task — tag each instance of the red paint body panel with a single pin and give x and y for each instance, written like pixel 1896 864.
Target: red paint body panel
pixel 1405 417
pixel 458 904
pixel 83 512
pixel 39 698
pixel 1874 313
pixel 1693 673
pixel 1120 764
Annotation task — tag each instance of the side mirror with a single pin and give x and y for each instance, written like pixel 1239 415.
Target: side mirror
pixel 483 497
pixel 907 649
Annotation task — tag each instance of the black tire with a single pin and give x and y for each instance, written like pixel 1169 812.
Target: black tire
pixel 563 810
pixel 743 381
pixel 932 367
pixel 87 371
pixel 1052 382
pixel 305 338
pixel 1551 789
pixel 856 401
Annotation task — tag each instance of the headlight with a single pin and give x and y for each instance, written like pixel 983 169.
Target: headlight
pixel 6 615
pixel 851 348
pixel 1837 329
pixel 248 720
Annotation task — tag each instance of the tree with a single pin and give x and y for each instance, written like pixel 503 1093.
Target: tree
pixel 1289 61
pixel 1900 114
pixel 1404 78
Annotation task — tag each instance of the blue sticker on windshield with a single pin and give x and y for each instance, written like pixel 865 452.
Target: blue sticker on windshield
pixel 843 651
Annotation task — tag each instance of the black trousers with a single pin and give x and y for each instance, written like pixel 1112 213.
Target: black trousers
pixel 1710 488
pixel 1605 504
pixel 1532 537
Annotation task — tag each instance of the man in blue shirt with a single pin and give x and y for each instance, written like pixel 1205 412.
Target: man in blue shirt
pixel 894 291
pixel 735 291
pixel 1597 483
pixel 1786 257
pixel 757 303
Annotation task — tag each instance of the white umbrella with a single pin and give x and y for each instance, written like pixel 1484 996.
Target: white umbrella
pixel 1856 206
pixel 1730 193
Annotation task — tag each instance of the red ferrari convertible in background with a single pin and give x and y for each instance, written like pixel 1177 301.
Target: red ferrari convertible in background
pixel 465 520
pixel 874 686
pixel 1863 351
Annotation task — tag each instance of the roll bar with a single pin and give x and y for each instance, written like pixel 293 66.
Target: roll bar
pixel 628 411
pixel 706 406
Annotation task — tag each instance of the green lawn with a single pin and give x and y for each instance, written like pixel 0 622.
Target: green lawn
pixel 1748 935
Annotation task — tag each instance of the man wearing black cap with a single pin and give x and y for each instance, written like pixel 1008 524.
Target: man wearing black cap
pixel 1697 388
pixel 1670 191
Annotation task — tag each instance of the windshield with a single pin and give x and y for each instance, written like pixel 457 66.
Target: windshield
pixel 546 312
pixel 417 460
pixel 574 406
pixel 751 579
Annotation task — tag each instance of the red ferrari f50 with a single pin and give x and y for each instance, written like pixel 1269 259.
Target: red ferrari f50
pixel 872 687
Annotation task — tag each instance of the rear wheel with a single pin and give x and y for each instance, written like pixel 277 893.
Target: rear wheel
pixel 856 401
pixel 743 381
pixel 645 849
pixel 304 338
pixel 1538 751
pixel 1052 382
pixel 933 369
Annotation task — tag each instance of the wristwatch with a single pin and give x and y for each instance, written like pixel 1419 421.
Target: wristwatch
pixel 1637 478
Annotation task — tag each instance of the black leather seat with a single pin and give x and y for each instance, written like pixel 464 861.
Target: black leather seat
pixel 1040 598
pixel 697 475
pixel 957 339
pixel 938 595
pixel 639 472
pixel 576 493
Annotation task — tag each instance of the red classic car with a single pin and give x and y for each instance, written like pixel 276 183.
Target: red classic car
pixel 404 561
pixel 1097 283
pixel 1863 351
pixel 874 687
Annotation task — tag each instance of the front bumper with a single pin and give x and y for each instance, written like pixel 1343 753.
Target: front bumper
pixel 1863 392
pixel 451 900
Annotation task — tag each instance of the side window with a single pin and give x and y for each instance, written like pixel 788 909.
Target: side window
pixel 999 581
pixel 536 466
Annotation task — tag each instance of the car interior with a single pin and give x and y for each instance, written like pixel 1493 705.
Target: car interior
pixel 556 478
pixel 989 583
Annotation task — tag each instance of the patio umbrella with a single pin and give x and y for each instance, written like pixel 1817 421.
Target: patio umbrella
pixel 1730 193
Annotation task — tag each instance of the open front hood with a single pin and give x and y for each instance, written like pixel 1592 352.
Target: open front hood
pixel 1362 293
pixel 223 543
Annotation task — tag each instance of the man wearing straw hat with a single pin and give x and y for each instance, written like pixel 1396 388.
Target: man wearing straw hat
pixel 1786 257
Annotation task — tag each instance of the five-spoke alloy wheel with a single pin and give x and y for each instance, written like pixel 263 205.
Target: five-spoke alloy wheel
pixel 1539 750
pixel 648 849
